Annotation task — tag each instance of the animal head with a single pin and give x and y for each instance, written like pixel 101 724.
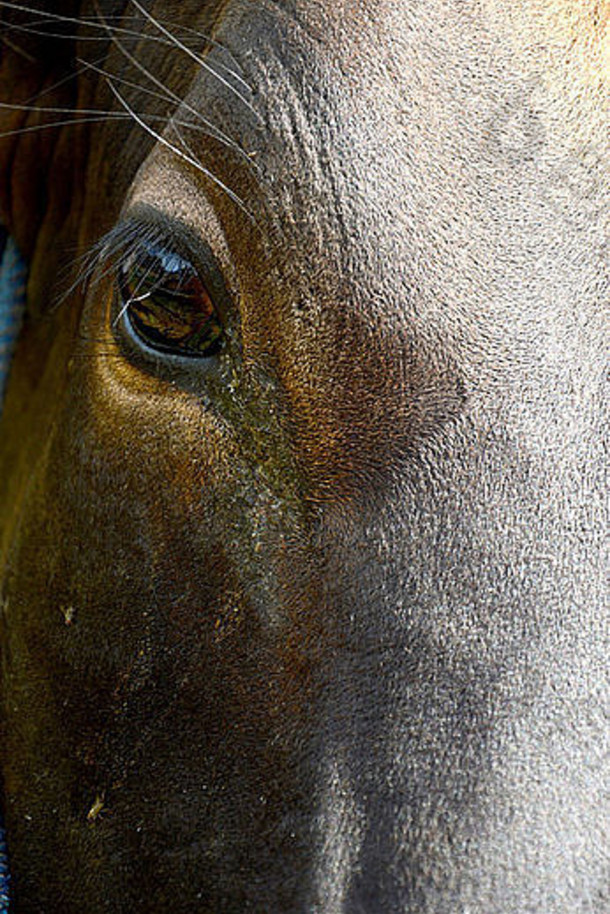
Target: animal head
pixel 302 456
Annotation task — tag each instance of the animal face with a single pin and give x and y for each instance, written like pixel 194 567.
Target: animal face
pixel 302 458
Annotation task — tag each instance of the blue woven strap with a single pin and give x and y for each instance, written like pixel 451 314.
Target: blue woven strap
pixel 12 305
pixel 13 276
pixel 4 874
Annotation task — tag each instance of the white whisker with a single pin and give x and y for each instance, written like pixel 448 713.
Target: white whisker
pixel 76 120
pixel 32 28
pixel 217 44
pixel 200 36
pixel 20 8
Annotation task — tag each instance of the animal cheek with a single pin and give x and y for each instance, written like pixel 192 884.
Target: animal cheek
pixel 359 420
pixel 144 428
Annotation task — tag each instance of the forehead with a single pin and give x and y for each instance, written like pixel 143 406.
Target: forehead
pixel 348 130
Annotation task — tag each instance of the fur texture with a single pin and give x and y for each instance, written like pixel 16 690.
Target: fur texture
pixel 317 624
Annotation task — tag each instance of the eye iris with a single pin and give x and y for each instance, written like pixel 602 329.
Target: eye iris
pixel 167 304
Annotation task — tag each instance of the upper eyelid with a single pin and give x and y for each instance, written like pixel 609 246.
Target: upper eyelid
pixel 120 244
pixel 103 258
pixel 143 224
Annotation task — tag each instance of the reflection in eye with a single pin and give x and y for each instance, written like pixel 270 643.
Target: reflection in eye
pixel 167 304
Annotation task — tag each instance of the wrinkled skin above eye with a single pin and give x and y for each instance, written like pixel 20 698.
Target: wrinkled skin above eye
pixel 166 304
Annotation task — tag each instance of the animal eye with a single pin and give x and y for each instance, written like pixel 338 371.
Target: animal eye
pixel 166 304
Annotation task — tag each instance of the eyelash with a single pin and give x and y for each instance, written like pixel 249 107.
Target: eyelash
pixel 110 253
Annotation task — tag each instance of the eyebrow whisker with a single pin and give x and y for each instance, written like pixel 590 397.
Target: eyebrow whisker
pixel 201 36
pixel 21 8
pixel 52 109
pixel 172 95
pixel 189 159
pixel 206 125
pixel 16 49
pixel 91 22
pixel 59 83
pixel 32 28
pixel 65 123
pixel 198 59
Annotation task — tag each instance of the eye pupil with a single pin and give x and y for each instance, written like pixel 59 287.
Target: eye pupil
pixel 167 305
